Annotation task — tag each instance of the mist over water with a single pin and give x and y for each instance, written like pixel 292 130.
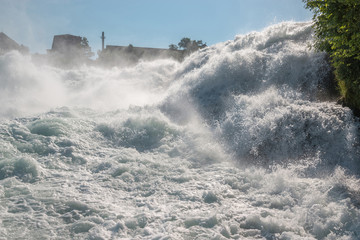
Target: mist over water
pixel 236 142
pixel 28 88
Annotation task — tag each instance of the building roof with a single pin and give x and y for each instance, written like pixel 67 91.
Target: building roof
pixel 114 47
pixel 65 42
pixel 7 43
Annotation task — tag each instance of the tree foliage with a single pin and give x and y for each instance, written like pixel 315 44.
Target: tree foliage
pixel 173 47
pixel 188 45
pixel 86 49
pixel 337 30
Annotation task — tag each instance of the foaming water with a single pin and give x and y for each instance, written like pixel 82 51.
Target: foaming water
pixel 232 143
pixel 28 88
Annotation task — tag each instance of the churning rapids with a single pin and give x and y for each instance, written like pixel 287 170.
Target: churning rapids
pixel 236 142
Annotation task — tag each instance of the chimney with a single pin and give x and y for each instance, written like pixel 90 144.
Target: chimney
pixel 103 40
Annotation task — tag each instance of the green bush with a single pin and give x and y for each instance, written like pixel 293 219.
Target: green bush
pixel 337 30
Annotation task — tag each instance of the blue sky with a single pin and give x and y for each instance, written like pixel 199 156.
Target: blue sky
pixel 145 23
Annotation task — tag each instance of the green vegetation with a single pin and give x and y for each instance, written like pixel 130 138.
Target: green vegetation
pixel 337 28
pixel 188 45
pixel 86 48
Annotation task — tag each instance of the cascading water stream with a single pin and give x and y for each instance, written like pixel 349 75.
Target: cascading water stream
pixel 235 142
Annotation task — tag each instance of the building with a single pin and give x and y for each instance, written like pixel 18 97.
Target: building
pixel 7 44
pixel 69 51
pixel 66 43
pixel 129 55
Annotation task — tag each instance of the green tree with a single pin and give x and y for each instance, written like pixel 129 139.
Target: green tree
pixel 86 49
pixel 188 45
pixel 184 43
pixel 173 47
pixel 337 31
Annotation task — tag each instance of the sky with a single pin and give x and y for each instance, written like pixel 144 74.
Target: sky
pixel 142 23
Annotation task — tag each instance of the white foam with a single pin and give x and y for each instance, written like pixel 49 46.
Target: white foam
pixel 231 143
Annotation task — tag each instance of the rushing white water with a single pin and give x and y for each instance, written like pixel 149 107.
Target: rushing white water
pixel 232 143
